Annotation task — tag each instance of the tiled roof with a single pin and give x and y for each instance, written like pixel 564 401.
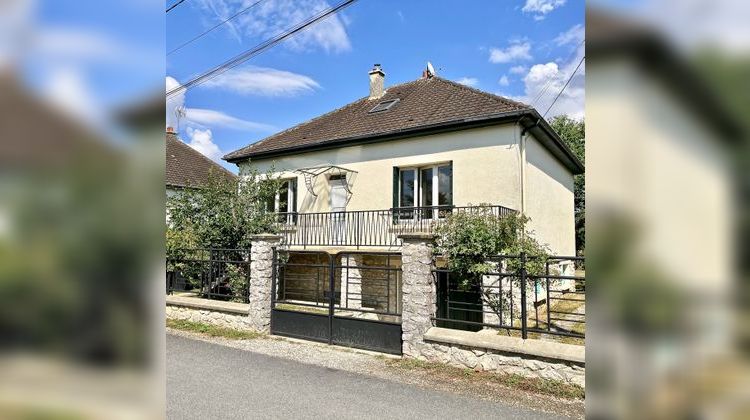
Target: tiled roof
pixel 186 167
pixel 422 102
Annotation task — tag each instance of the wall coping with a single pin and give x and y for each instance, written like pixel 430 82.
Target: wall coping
pixel 416 236
pixel 538 348
pixel 265 237
pixel 209 305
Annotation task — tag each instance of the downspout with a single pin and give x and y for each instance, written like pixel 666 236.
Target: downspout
pixel 522 144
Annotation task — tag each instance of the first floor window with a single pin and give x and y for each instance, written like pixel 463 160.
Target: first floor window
pixel 285 201
pixel 425 192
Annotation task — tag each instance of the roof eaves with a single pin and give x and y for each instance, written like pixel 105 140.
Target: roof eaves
pixel 453 125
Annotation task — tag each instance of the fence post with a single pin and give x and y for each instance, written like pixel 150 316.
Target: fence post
pixel 261 280
pixel 417 291
pixel 524 333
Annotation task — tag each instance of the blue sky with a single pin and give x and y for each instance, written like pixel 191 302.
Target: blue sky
pixel 511 48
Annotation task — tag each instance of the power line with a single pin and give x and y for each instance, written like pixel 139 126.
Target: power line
pixel 547 85
pixel 566 85
pixel 242 57
pixel 214 27
pixel 174 5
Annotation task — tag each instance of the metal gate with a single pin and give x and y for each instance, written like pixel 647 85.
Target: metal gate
pixel 351 299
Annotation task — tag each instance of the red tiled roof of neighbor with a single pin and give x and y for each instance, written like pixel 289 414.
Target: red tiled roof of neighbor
pixel 186 167
pixel 423 102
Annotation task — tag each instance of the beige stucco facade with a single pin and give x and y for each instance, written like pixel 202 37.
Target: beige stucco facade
pixel 486 169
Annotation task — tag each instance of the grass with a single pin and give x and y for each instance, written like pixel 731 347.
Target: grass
pixel 212 330
pixel 536 385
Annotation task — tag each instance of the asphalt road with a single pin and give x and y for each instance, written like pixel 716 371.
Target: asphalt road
pixel 209 381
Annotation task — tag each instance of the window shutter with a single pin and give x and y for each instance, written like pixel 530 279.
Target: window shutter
pixel 293 204
pixel 396 173
pixel 450 187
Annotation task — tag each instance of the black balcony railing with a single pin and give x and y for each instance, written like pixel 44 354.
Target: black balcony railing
pixel 368 228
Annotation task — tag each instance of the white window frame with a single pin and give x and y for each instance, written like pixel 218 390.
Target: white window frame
pixel 289 198
pixel 418 188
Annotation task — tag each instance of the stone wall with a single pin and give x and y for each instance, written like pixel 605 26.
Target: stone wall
pixel 306 282
pixel 495 361
pixel 213 317
pixel 366 287
pixel 418 291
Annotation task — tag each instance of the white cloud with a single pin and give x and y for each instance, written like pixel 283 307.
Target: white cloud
pixel 213 118
pixel 504 81
pixel 468 81
pixel 517 70
pixel 202 141
pixel 263 81
pixel 543 82
pixel 269 18
pixel 401 16
pixel 517 50
pixel 574 35
pixel 540 8
pixel 204 117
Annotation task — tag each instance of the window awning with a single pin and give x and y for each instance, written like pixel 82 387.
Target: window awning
pixel 311 174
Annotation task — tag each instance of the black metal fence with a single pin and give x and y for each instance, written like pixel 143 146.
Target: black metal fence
pixel 348 298
pixel 364 228
pixel 221 274
pixel 519 296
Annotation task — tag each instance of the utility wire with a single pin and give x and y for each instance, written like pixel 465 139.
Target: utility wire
pixel 174 5
pixel 242 57
pixel 547 85
pixel 563 88
pixel 213 27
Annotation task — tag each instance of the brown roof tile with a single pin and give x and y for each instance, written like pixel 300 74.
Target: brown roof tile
pixel 422 102
pixel 186 167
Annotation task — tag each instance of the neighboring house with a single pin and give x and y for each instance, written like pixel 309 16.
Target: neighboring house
pixel 186 167
pixel 401 158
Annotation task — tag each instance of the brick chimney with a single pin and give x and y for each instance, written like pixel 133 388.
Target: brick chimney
pixel 170 130
pixel 377 77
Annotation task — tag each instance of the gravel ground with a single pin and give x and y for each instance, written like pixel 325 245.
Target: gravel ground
pixel 375 364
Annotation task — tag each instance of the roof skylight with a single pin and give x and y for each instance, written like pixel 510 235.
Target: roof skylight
pixel 384 106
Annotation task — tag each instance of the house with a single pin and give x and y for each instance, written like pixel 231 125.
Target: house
pixel 186 167
pixel 403 157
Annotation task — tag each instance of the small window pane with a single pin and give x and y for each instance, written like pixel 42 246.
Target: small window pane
pixel 284 197
pixel 445 195
pixel 407 189
pixel 406 196
pixel 425 184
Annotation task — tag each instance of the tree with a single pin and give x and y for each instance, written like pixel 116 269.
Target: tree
pixel 223 213
pixel 573 133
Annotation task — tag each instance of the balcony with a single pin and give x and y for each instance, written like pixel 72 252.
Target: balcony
pixel 368 228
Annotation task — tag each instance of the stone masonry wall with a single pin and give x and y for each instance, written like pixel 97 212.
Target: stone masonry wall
pixel 213 317
pixel 261 275
pixel 494 361
pixel 418 291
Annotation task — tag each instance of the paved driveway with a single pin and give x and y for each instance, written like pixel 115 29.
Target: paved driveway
pixel 209 381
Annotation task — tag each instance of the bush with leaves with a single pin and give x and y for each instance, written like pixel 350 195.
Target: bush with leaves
pixel 469 240
pixel 223 213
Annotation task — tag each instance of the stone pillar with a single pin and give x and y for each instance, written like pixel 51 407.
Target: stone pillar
pixel 418 291
pixel 261 275
pixel 351 281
